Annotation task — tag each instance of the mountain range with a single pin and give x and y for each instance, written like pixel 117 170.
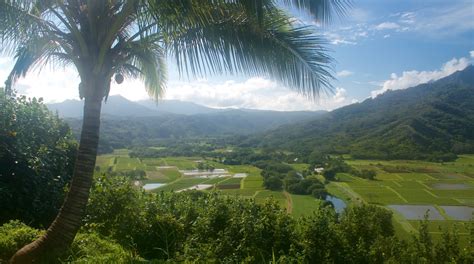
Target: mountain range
pixel 432 120
pixel 435 119
pixel 126 123
pixel 118 106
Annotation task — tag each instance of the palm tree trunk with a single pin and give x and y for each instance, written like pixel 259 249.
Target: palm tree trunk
pixel 62 231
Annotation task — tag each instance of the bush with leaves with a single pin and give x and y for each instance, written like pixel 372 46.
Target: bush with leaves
pixel 86 248
pixel 37 153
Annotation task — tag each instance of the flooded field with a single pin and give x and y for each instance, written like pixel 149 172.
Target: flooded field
pixel 417 212
pixel 451 186
pixel 152 186
pixel 462 213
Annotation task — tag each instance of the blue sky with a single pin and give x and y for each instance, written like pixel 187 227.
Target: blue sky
pixel 380 45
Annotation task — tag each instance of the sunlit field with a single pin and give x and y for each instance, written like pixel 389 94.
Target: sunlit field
pixel 410 189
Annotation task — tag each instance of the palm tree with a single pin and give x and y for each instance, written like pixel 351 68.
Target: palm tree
pixel 104 39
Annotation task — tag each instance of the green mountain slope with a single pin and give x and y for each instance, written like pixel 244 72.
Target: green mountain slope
pixel 426 121
pixel 127 131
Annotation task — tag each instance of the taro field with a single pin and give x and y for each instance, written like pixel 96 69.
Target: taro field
pixel 444 192
pixel 179 173
pixel 410 189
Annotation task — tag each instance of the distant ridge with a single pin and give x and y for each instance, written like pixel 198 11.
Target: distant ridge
pixel 118 106
pixel 126 123
pixel 429 120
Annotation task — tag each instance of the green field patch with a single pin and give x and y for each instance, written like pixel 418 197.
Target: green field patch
pixel 150 168
pixel 378 195
pixel 388 177
pixel 410 185
pixel 226 186
pixel 239 192
pixel 304 205
pixel 163 175
pixel 420 196
pixel 182 184
pixel 345 177
pixel 365 183
pixel 299 166
pixel 120 152
pixel 103 161
pixel 232 181
pixel 448 176
pixel 183 163
pixel 216 180
pixel 463 195
pixel 258 184
pixel 125 163
pixel 268 193
pixel 415 176
pixel 250 170
pixel 436 229
pixel 153 162
pixel 262 196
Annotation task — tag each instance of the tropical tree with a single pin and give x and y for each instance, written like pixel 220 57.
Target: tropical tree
pixel 109 39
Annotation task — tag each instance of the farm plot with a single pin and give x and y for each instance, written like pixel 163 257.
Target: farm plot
pixel 124 164
pixel 304 204
pixel 417 212
pixel 162 175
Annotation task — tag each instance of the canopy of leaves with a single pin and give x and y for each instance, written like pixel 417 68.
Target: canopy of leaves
pixel 37 154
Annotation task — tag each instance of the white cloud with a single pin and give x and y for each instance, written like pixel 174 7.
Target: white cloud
pixel 344 73
pixel 441 21
pixel 387 25
pixel 471 53
pixel 386 36
pixel 253 93
pixel 337 39
pixel 407 18
pixel 414 77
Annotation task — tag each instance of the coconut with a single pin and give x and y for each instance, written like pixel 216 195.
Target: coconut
pixel 119 78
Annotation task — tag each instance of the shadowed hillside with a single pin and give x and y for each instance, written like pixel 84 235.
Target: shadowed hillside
pixel 427 121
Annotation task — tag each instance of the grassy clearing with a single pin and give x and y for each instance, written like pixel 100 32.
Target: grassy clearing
pixel 162 175
pixel 304 204
pixel 261 196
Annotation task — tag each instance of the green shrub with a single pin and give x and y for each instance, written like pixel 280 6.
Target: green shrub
pixel 91 248
pixel 13 236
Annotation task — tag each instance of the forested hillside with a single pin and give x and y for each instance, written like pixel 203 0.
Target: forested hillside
pixel 120 132
pixel 429 121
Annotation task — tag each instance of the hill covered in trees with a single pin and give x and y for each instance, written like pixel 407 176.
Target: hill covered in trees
pixel 144 128
pixel 430 121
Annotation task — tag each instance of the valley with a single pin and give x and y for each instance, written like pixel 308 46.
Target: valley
pixel 410 189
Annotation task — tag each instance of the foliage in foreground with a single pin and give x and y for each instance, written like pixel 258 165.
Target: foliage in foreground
pixel 87 247
pixel 37 152
pixel 125 224
pixel 209 227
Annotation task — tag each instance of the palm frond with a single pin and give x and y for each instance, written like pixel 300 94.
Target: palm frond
pixel 295 56
pixel 322 10
pixel 19 20
pixel 145 59
pixel 34 54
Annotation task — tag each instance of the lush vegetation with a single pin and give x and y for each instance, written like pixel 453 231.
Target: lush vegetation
pixel 208 227
pixel 247 219
pixel 432 121
pixel 37 152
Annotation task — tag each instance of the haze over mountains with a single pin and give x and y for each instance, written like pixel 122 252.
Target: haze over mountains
pixel 436 118
pixel 118 106
pixel 427 121
pixel 126 123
